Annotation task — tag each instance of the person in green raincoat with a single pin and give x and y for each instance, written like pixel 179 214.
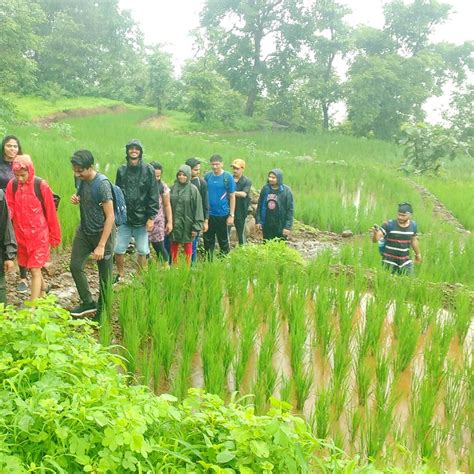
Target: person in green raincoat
pixel 188 217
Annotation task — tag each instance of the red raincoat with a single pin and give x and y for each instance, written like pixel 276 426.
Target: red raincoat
pixel 35 229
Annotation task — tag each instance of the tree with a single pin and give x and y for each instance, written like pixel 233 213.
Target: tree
pixel 329 40
pixel 396 69
pixel 19 20
pixel 160 77
pixel 425 147
pixel 208 95
pixel 237 31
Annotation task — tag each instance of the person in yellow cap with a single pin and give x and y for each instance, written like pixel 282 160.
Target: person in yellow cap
pixel 242 198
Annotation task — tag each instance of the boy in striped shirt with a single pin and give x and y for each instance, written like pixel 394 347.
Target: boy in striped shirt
pixel 399 235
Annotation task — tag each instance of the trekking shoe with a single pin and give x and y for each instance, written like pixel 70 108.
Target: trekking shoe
pixel 22 287
pixel 84 309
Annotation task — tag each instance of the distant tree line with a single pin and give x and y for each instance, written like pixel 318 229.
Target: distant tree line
pixel 288 61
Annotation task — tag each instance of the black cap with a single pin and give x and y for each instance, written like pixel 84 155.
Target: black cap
pixel 405 207
pixel 192 162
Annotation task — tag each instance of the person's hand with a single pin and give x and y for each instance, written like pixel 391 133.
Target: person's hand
pixel 150 223
pixel 8 266
pixel 205 225
pixel 168 228
pixel 98 253
pixel 286 232
pixel 259 227
pixel 230 220
pixel 193 234
pixel 75 199
pixel 418 258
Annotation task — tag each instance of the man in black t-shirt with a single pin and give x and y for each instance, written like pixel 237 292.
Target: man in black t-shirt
pixel 242 198
pixel 96 233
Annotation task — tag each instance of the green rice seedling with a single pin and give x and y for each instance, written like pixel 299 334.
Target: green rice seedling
pixel 246 344
pixel 369 338
pixel 422 407
pixel 323 319
pixel 320 417
pixel 382 372
pixel 363 380
pixel 454 397
pixel 285 389
pixel 339 396
pixel 355 424
pixel 106 329
pixel 342 360
pixel 437 348
pixel 303 379
pixel 407 331
pixel 462 312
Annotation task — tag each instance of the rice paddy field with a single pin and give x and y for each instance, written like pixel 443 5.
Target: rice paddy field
pixel 380 365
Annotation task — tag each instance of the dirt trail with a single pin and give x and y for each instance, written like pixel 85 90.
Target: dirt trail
pixel 439 208
pixel 66 113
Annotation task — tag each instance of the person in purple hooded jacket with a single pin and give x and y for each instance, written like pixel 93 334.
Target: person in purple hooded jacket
pixel 275 208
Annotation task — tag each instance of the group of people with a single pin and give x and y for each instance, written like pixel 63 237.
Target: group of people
pixel 165 217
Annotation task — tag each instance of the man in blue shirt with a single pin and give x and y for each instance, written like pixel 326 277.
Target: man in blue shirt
pixel 221 191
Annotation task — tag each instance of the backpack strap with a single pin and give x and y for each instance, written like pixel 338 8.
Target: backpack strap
pixel 95 186
pixel 37 188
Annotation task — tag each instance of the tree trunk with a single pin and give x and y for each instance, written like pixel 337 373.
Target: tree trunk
pixel 325 108
pixel 250 105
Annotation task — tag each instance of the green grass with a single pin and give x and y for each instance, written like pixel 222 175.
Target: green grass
pixel 30 107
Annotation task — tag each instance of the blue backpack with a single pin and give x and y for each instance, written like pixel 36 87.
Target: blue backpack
pixel 391 226
pixel 120 208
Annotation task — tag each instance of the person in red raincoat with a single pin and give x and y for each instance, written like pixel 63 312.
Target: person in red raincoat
pixel 35 223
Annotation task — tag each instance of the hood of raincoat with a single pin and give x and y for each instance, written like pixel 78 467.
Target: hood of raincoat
pixel 279 175
pixel 24 162
pixel 136 143
pixel 187 171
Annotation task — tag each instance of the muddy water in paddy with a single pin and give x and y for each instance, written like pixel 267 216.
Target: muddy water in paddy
pixel 321 367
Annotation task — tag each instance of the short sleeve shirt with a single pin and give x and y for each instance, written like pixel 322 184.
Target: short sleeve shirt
pixel 92 214
pixel 242 203
pixel 218 189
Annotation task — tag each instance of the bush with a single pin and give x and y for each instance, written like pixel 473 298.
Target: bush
pixel 65 408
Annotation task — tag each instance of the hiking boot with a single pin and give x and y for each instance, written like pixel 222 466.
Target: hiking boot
pixel 22 287
pixel 84 309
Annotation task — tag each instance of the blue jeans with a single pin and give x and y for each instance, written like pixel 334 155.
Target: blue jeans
pixel 124 235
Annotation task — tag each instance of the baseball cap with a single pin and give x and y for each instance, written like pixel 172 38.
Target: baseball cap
pixel 238 164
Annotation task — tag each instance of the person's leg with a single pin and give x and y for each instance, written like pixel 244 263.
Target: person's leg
pixel 188 251
pixel 124 234
pixel 240 230
pixel 222 232
pixel 161 251
pixel 174 249
pixel 210 238
pixel 195 247
pixel 3 289
pixel 81 249
pixel 36 283
pixel 142 245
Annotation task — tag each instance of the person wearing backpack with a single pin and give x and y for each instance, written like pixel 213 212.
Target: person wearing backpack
pixel 221 191
pixel 201 184
pixel 35 220
pixel 275 208
pixel 95 234
pixel 139 186
pixel 395 238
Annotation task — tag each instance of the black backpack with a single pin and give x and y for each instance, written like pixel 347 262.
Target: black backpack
pixel 37 186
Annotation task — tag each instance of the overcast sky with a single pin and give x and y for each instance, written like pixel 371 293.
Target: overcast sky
pixel 170 21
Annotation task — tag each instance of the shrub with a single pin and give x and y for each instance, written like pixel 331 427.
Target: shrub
pixel 66 408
